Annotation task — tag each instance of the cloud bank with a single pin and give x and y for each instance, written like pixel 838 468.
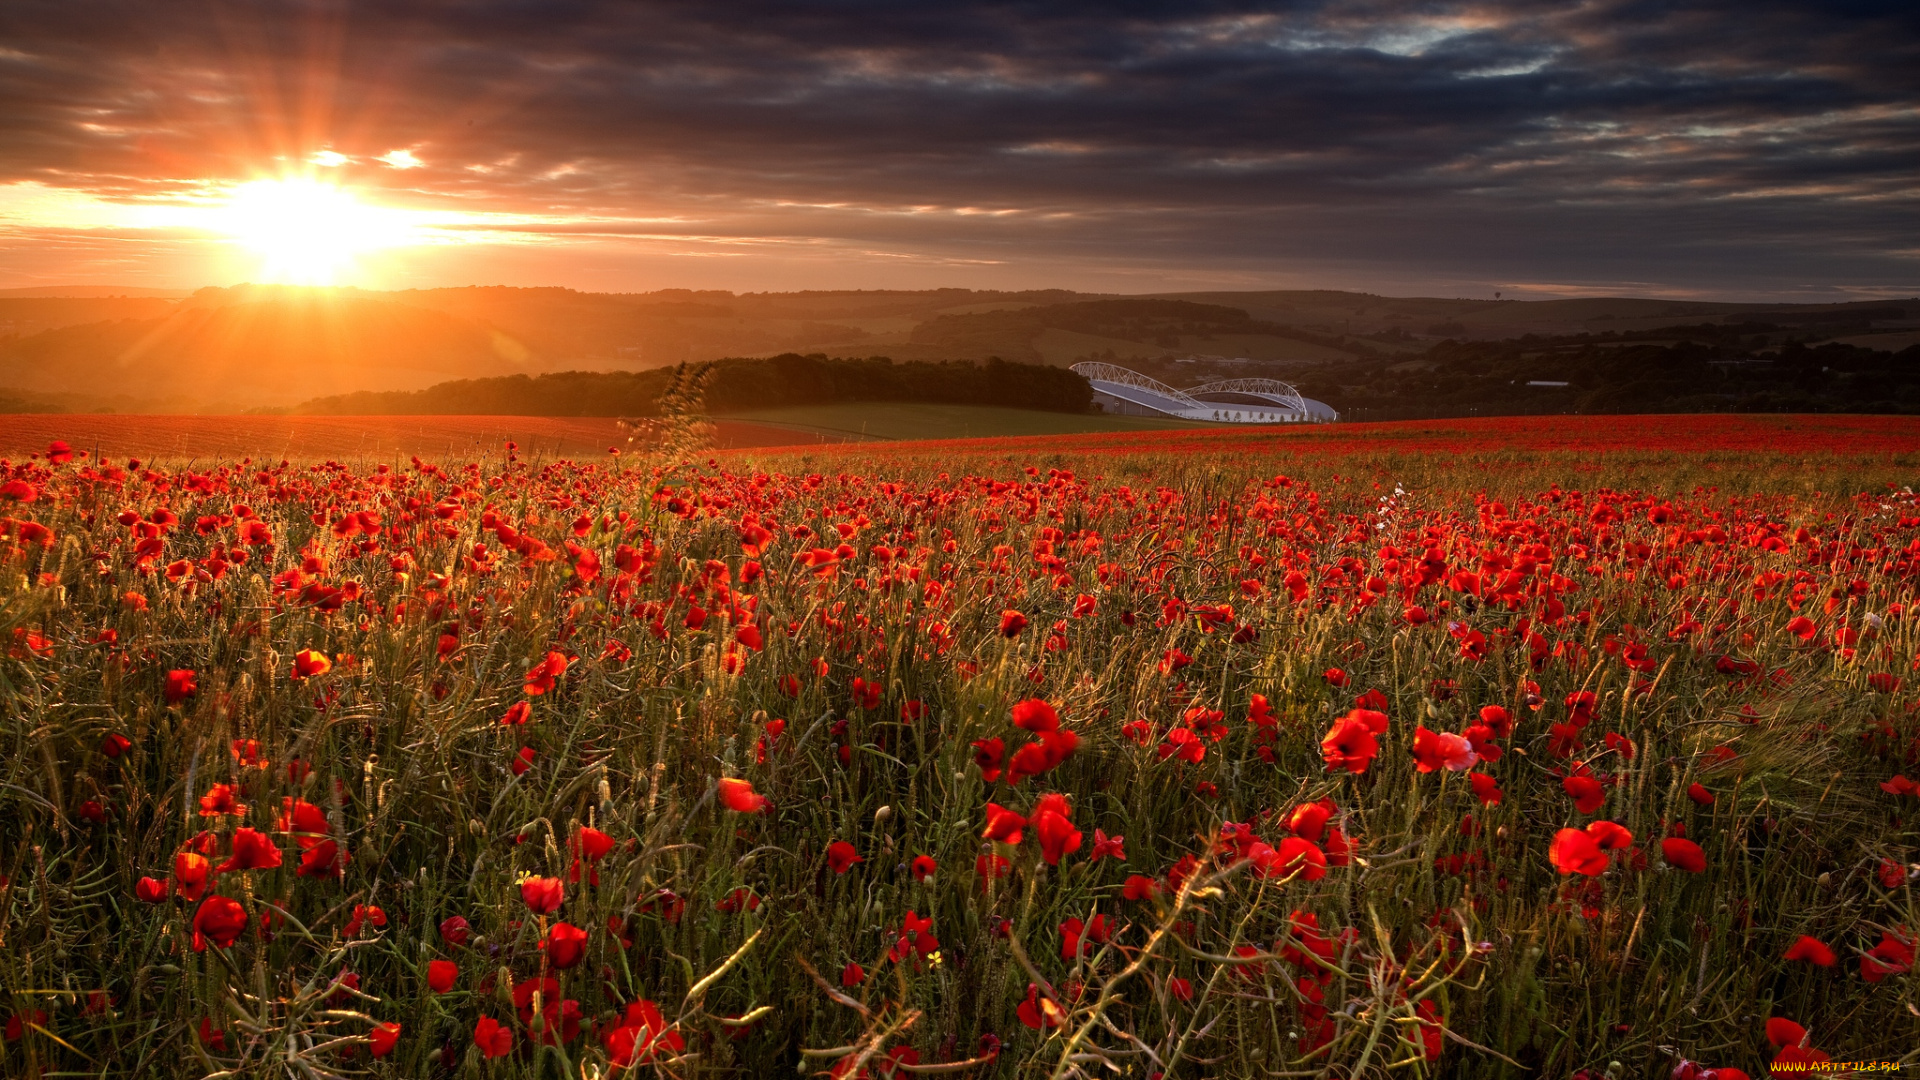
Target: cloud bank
pixel 1751 149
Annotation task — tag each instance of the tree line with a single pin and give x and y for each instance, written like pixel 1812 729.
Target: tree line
pixel 733 385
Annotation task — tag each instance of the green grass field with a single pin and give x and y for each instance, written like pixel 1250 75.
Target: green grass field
pixel 883 421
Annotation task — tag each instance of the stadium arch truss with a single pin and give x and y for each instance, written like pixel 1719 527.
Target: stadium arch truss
pixel 1224 401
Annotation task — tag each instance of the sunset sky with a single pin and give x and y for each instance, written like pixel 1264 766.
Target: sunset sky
pixel 1736 150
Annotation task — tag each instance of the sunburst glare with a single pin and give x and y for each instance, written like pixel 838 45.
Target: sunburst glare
pixel 306 231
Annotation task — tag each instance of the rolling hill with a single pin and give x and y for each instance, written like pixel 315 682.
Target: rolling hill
pixel 268 346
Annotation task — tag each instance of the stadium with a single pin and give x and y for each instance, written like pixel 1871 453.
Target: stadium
pixel 1224 401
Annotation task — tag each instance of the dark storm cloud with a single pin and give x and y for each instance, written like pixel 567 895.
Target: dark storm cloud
pixel 1755 146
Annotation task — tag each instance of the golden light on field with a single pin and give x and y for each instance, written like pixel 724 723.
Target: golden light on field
pixel 307 231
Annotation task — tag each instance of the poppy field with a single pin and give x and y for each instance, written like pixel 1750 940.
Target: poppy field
pixel 1576 748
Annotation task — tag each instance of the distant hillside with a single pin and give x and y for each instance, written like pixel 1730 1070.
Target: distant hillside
pixel 262 346
pixel 92 292
pixel 25 316
pixel 677 325
pixel 1367 315
pixel 732 385
pixel 1129 328
pixel 1739 367
pixel 273 346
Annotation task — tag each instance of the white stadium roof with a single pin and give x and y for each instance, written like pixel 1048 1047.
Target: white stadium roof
pixel 1227 401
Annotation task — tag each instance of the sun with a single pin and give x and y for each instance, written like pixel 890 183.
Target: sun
pixel 305 231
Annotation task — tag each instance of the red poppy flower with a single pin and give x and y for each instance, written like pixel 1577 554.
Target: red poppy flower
pixel 1011 623
pixel 738 795
pixel 1497 718
pixel 182 683
pixel 989 754
pixel 1052 748
pixel 749 635
pixel 1812 950
pixel 308 663
pixel 1038 1012
pixel 1139 887
pixel 1784 1032
pixel 1259 713
pixel 1105 846
pixel 1588 794
pixel 1077 938
pixel 914 938
pixel 1052 822
pixel 211 1037
pixel 1891 874
pixel 191 871
pixel 1350 745
pixel 1339 848
pixel 247 753
pixel 543 675
pixel 382 1038
pixel 1580 706
pixel 1683 855
pixel 522 761
pixel 454 930
pixel 1297 855
pixel 1574 852
pixel 441 975
pixel 852 975
pixel 220 919
pixel 1309 820
pixel 363 914
pixel 643 1036
pixel 1004 825
pixel 221 799
pixel 251 851
pixel 1611 836
pixel 493 1038
pixel 924 868
pixel 1183 744
pixel 1036 715
pixel 1486 789
pixel 1893 956
pixel 990 868
pixel 590 844
pixel 307 822
pixel 150 890
pixel 542 894
pixel 517 714
pixel 1435 750
pixel 565 945
pixel 324 859
pixel 841 856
